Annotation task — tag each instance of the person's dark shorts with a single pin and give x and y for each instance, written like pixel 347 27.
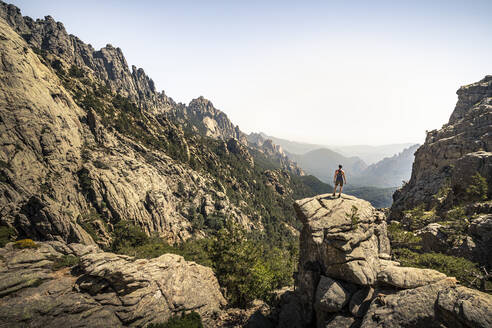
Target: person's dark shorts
pixel 339 182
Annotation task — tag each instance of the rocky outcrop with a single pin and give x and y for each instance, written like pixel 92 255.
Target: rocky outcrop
pixel 347 279
pixel 39 289
pixel 451 155
pixel 270 149
pixel 452 160
pixel 209 121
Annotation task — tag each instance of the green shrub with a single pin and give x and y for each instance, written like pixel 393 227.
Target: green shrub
pixel 127 235
pixel 246 268
pixel 6 235
pixel 75 71
pixel 85 180
pixel 456 213
pixel 477 190
pixel 25 243
pixel 401 238
pixel 417 217
pixel 464 270
pixel 65 261
pixel 190 320
pixel 353 216
pixel 101 165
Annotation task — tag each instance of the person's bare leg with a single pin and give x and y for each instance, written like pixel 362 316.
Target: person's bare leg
pixel 335 191
pixel 341 188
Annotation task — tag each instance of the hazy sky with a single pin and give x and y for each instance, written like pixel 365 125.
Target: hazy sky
pixel 330 72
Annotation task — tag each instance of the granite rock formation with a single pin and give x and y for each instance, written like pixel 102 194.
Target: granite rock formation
pixel 452 180
pixel 347 279
pixel 451 155
pixel 100 289
pixel 58 170
pixel 88 142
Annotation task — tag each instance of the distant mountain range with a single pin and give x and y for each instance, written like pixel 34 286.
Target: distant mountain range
pixel 389 172
pixel 323 162
pixel 369 154
pixel 375 182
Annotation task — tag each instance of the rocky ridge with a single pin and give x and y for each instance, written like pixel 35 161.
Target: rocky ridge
pixel 57 170
pixel 88 143
pixel 452 154
pixel 109 66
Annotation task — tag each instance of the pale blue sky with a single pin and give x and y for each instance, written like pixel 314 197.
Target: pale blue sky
pixel 358 72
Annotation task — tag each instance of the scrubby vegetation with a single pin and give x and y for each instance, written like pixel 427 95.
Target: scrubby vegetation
pixel 6 235
pixel 407 246
pixel 65 261
pixel 25 243
pixel 477 190
pixel 418 217
pixel 185 320
pixel 245 265
pixel 354 217
pixel 467 272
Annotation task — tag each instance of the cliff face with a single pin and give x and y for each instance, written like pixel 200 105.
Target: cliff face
pixel 447 203
pixel 60 164
pixel 346 277
pixel 451 155
pixel 88 143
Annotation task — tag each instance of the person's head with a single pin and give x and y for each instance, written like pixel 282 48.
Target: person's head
pixel 340 166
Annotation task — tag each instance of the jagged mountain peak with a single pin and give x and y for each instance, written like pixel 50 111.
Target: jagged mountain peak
pixel 469 95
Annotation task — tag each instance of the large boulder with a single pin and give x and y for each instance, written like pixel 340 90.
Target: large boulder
pixel 345 276
pixel 339 235
pixel 442 304
pixel 343 239
pixel 150 290
pixel 408 308
pixel 461 307
pixel 405 277
pixel 37 288
pixel 331 296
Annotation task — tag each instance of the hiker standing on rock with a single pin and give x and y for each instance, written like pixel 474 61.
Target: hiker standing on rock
pixel 339 179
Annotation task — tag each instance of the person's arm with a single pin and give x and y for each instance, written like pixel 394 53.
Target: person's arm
pixel 344 179
pixel 335 177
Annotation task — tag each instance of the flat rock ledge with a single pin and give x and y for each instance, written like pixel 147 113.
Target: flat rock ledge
pixel 103 290
pixel 346 277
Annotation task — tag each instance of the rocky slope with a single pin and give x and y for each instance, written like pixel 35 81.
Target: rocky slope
pixel 447 200
pixel 39 289
pixel 347 279
pixel 87 143
pixel 60 163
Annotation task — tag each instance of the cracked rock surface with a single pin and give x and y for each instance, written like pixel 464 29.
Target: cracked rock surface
pixel 346 278
pixel 103 290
